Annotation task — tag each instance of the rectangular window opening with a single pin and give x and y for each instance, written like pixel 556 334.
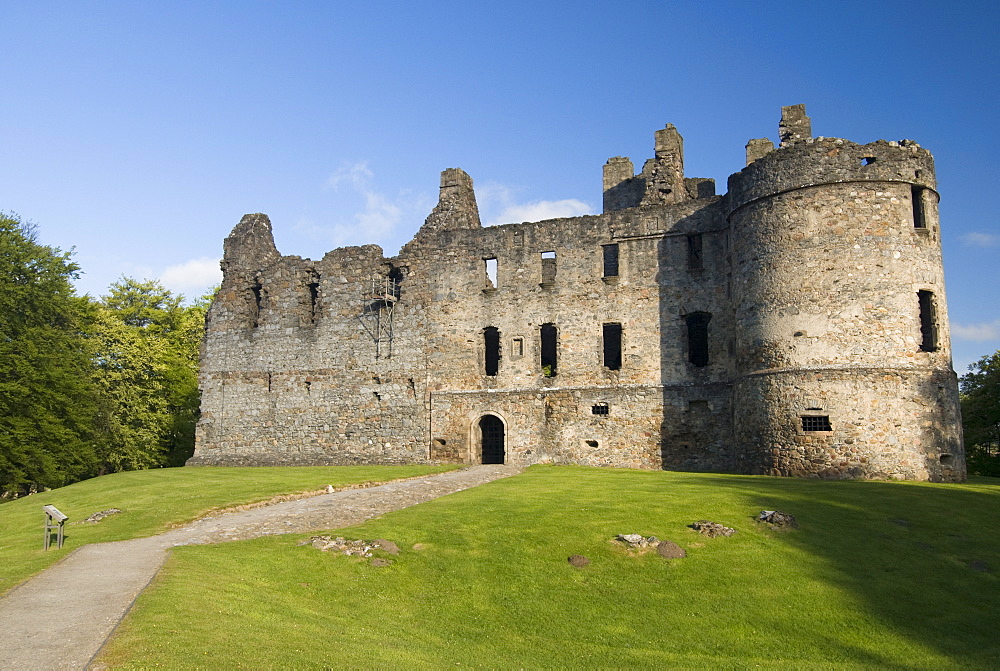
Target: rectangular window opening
pixel 610 260
pixel 548 269
pixel 517 347
pixel 613 346
pixel 928 321
pixel 697 334
pixel 600 409
pixel 919 212
pixel 549 349
pixel 816 423
pixel 695 260
pixel 491 272
pixel 491 341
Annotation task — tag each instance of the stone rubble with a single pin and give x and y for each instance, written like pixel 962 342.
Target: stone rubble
pixel 776 518
pixel 352 548
pixel 666 549
pixel 97 517
pixel 712 529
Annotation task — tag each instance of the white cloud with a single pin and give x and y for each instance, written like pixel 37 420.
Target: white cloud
pixel 981 239
pixel 192 278
pixel 497 205
pixel 541 210
pixel 977 332
pixel 356 174
pixel 376 219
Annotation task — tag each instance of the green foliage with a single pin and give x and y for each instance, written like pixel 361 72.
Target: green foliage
pixel 147 370
pixel 878 575
pixel 155 500
pixel 47 400
pixel 980 393
pixel 89 387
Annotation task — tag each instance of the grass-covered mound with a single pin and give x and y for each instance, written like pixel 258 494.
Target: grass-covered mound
pixel 152 501
pixel 877 575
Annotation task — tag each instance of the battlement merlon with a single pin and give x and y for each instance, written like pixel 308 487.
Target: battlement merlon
pixel 661 181
pixel 250 245
pixel 794 126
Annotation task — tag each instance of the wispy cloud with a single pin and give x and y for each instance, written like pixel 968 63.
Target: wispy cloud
pixel 498 205
pixel 192 278
pixel 981 239
pixel 977 332
pixel 377 217
pixel 357 175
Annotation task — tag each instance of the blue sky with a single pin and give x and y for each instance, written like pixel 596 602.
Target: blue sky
pixel 139 133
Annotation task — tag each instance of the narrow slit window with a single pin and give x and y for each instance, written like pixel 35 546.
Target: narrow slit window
pixel 548 268
pixel 610 260
pixel 697 335
pixel 491 340
pixel 313 288
pixel 695 259
pixel 491 272
pixel 549 349
pixel 613 346
pixel 919 211
pixel 816 423
pixel 256 301
pixel 928 321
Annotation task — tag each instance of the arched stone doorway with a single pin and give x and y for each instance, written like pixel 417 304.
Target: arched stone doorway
pixel 492 439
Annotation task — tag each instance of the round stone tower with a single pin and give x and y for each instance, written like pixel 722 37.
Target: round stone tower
pixel 840 351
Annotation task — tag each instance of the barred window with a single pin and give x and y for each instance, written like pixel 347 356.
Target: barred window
pixel 816 423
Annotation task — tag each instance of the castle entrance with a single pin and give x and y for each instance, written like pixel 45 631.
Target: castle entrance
pixel 492 431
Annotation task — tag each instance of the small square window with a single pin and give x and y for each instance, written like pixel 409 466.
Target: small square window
pixel 600 409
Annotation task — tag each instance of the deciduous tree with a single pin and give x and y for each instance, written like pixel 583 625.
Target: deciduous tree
pixel 980 389
pixel 47 398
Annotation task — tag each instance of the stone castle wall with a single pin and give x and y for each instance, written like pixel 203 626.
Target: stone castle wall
pixel 678 329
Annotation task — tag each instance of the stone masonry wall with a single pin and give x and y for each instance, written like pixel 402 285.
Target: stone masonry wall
pixel 814 289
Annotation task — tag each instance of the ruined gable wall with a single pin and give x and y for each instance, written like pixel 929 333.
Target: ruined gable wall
pixel 297 380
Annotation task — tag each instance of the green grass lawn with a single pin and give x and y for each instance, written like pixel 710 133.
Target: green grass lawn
pixel 152 501
pixel 878 575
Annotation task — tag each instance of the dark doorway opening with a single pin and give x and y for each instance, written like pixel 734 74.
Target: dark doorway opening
pixel 491 427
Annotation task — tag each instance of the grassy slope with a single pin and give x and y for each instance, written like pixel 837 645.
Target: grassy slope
pixel 878 575
pixel 152 501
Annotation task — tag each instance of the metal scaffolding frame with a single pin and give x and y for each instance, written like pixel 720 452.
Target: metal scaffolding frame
pixel 378 301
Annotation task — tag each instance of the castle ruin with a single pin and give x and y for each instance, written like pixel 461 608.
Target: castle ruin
pixel 794 326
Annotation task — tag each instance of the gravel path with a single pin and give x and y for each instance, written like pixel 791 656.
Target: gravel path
pixel 60 618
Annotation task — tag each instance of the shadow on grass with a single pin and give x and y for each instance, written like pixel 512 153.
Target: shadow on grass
pixel 923 558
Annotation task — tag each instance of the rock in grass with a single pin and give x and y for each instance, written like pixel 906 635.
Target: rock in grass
pixel 578 560
pixel 670 550
pixel 712 529
pixel 379 561
pixel 97 517
pixel 776 518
